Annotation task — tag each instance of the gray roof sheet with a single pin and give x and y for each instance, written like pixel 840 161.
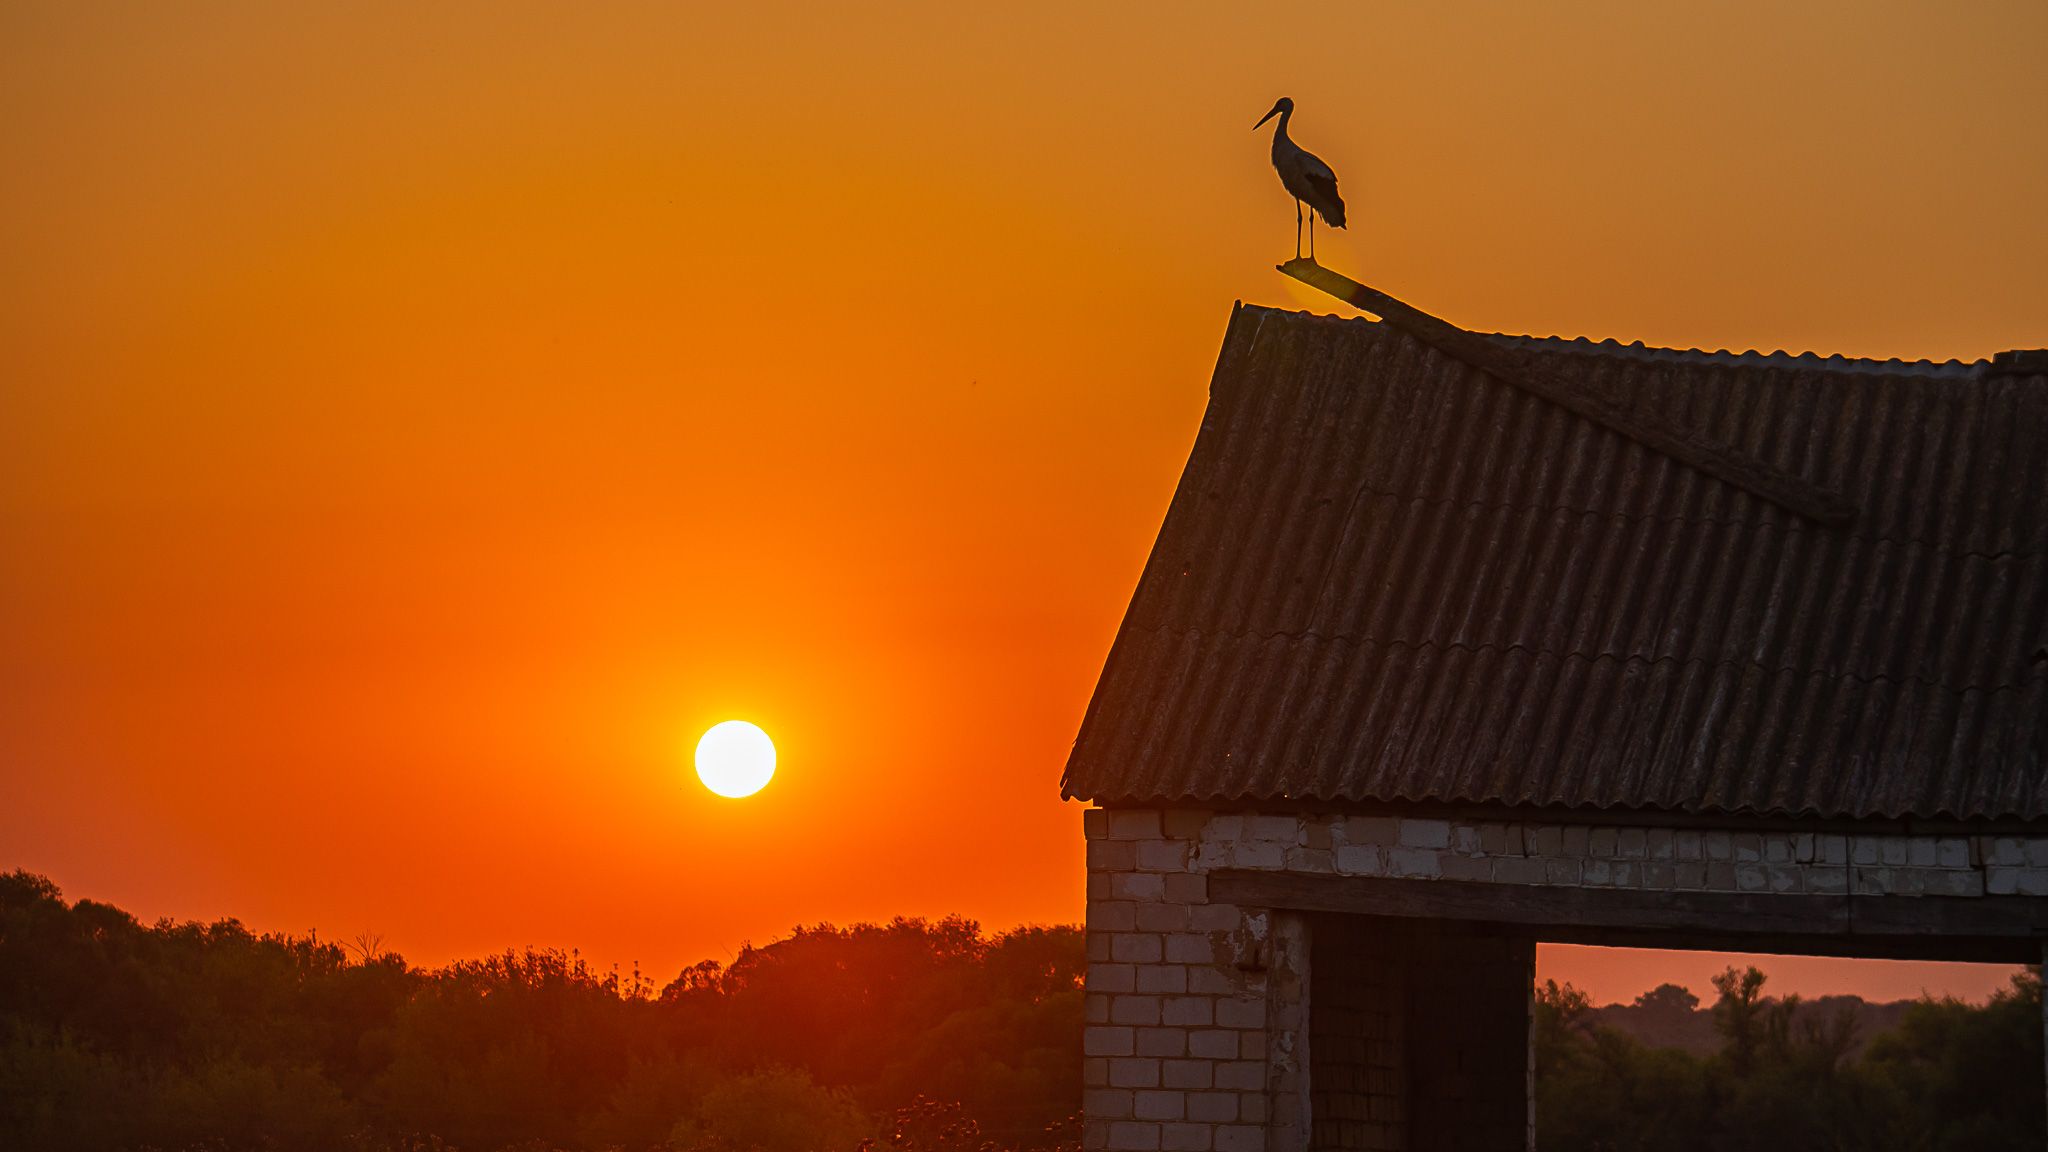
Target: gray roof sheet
pixel 1387 576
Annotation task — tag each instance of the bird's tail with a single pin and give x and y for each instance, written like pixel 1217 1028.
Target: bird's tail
pixel 1335 219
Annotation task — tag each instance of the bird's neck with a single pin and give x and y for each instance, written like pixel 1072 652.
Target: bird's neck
pixel 1280 132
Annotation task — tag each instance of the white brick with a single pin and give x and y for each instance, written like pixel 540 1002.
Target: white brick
pixel 1134 824
pixel 1112 978
pixel 1216 1107
pixel 1457 866
pixel 1186 1138
pixel 1105 1040
pixel 1265 854
pixel 1112 916
pixel 1190 948
pixel 1526 869
pixel 1094 823
pixel 1112 855
pixel 2016 881
pixel 1170 1043
pixel 1107 1103
pixel 1138 1010
pixel 1162 855
pixel 1425 834
pixel 1954 882
pixel 1133 1136
pixel 1380 830
pixel 1238 1012
pixel 1163 979
pixel 1160 1104
pixel 1413 862
pixel 1240 1138
pixel 1134 1073
pixel 1214 1044
pixel 1137 948
pixel 1359 860
pixel 1163 917
pixel 1137 886
pixel 1310 860
pixel 1286 829
pixel 1189 1011
pixel 1827 881
pixel 1242 1075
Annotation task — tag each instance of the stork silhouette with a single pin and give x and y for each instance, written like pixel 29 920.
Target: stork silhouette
pixel 1305 177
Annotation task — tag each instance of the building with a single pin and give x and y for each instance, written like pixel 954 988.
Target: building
pixel 1454 643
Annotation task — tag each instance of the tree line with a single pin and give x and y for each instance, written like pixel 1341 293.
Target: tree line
pixel 115 1035
pixel 1947 1077
pixel 914 1036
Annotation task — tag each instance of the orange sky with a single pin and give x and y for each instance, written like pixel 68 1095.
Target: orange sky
pixel 418 424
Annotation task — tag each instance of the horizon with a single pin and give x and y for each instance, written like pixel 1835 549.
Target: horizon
pixel 419 430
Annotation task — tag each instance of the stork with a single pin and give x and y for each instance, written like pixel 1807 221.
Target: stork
pixel 1305 177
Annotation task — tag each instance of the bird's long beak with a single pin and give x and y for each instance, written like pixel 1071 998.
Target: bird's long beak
pixel 1266 117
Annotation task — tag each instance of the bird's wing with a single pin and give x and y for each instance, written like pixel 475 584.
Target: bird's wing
pixel 1312 166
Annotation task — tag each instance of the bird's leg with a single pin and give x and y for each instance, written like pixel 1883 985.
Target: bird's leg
pixel 1311 237
pixel 1297 229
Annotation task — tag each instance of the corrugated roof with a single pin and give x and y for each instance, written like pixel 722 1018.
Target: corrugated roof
pixel 1388 576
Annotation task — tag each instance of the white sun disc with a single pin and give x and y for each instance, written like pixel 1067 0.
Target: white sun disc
pixel 735 758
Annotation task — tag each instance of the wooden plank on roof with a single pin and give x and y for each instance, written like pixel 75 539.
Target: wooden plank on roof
pixel 1656 430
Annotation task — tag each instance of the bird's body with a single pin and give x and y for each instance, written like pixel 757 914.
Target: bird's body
pixel 1305 176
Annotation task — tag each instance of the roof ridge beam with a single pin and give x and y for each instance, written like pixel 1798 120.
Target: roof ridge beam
pixel 1655 430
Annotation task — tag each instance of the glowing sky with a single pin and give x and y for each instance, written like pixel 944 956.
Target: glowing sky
pixel 419 423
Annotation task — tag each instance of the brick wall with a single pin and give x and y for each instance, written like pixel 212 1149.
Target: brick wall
pixel 1175 1048
pixel 1420 1036
pixel 1199 1032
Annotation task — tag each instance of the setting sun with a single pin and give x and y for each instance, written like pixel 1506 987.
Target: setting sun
pixel 735 758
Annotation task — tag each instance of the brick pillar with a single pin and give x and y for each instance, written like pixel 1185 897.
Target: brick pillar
pixel 1174 1050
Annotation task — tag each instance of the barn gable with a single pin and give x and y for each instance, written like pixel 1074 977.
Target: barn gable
pixel 1388 576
